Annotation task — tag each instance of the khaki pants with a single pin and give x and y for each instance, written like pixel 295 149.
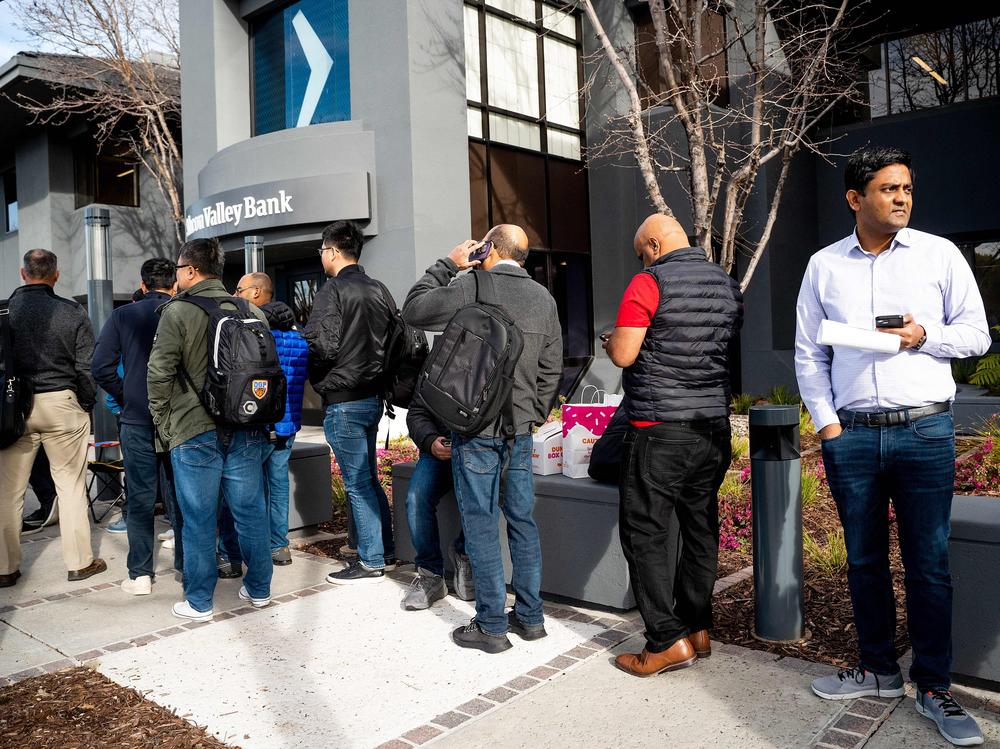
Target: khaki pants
pixel 58 423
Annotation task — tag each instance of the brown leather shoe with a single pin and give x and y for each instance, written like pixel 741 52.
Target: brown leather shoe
pixel 8 581
pixel 701 644
pixel 94 568
pixel 677 656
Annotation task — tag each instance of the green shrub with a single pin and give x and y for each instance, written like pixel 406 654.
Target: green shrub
pixel 963 369
pixel 781 395
pixel 732 487
pixel 741 446
pixel 987 374
pixel 742 403
pixel 810 488
pixel 831 558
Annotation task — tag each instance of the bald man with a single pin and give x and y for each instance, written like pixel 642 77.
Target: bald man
pixel 478 461
pixel 671 338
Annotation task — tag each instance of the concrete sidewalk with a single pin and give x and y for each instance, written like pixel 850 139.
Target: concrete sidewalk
pixel 345 666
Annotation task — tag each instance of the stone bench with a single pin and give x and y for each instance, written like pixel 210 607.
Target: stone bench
pixel 577 521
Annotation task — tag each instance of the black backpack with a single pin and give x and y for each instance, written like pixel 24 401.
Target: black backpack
pixel 244 383
pixel 16 393
pixel 406 351
pixel 468 377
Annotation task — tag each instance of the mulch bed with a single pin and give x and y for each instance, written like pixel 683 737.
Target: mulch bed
pixel 81 709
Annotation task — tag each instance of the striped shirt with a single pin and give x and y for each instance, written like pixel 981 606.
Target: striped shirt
pixel 920 274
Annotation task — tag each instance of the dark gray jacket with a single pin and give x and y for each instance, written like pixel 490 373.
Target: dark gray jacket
pixel 441 293
pixel 422 425
pixel 53 342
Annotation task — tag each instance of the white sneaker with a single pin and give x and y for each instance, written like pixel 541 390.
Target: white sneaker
pixel 141 586
pixel 168 544
pixel 257 603
pixel 184 610
pixel 167 535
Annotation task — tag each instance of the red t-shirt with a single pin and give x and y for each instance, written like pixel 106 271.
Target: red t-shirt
pixel 639 304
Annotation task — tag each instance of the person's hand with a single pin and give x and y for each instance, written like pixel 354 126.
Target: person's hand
pixel 605 337
pixel 830 431
pixel 440 450
pixel 910 334
pixel 460 255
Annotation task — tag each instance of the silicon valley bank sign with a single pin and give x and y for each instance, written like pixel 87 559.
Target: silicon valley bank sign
pixel 306 200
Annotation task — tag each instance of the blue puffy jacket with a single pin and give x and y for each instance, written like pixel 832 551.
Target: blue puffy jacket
pixel 293 353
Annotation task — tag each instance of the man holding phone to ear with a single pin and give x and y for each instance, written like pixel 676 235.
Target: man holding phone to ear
pixel 886 425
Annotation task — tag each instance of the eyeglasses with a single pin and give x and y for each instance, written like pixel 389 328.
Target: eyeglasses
pixel 241 289
pixel 321 250
pixel 186 265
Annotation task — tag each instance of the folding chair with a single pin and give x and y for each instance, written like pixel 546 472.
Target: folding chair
pixel 107 479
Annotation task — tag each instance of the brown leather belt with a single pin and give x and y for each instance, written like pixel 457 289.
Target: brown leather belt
pixel 892 418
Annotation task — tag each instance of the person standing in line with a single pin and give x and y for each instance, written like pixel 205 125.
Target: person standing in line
pixel 208 459
pixel 119 366
pixel 886 426
pixel 479 462
pixel 52 344
pixel 672 337
pixel 347 333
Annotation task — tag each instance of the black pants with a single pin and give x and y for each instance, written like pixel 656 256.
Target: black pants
pixel 673 467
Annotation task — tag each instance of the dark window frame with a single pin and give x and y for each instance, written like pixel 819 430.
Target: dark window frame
pixel 9 177
pixel 87 157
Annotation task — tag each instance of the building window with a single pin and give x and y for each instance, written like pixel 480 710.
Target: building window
pixel 301 66
pixel 936 69
pixel 714 69
pixel 10 201
pixel 525 149
pixel 101 178
pixel 522 75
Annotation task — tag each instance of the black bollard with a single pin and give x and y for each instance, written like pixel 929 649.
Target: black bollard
pixel 776 489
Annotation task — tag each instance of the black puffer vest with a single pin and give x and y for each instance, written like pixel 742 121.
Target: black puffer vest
pixel 682 371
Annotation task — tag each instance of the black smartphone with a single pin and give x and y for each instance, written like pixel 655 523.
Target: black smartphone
pixel 889 321
pixel 482 253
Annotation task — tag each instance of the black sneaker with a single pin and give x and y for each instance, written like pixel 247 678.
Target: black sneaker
pixel 471 636
pixel 355 573
pixel 35 521
pixel 228 570
pixel 525 631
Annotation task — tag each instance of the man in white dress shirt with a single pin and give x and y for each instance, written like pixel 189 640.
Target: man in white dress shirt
pixel 886 426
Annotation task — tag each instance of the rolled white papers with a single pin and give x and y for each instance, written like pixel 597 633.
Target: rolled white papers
pixel 838 334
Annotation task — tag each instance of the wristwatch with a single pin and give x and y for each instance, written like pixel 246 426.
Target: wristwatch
pixel 922 341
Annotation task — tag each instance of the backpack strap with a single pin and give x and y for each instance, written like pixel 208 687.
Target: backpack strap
pixel 486 290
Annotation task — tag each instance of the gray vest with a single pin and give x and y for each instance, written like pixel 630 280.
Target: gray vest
pixel 682 371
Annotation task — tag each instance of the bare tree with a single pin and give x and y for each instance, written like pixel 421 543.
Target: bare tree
pixel 789 72
pixel 119 68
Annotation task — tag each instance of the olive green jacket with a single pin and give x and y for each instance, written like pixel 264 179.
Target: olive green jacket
pixel 182 338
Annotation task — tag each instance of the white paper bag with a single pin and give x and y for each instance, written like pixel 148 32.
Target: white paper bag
pixel 547 449
pixel 838 334
pixel 578 444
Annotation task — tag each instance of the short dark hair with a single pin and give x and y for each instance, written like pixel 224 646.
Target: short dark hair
pixel 157 273
pixel 346 236
pixel 204 255
pixel 867 160
pixel 40 265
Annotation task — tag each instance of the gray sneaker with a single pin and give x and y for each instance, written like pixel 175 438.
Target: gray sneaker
pixel 856 682
pixel 281 556
pixel 425 589
pixel 953 722
pixel 465 586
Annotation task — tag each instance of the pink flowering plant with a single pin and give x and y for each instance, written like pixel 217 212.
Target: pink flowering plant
pixel 735 513
pixel 980 473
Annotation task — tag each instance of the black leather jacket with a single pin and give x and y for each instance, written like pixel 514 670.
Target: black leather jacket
pixel 53 342
pixel 346 333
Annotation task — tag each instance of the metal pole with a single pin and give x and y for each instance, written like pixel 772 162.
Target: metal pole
pixel 100 300
pixel 253 254
pixel 776 489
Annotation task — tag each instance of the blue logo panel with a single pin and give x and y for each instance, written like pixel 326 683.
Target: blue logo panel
pixel 302 66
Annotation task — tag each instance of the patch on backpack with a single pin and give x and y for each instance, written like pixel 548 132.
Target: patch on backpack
pixel 249 408
pixel 259 388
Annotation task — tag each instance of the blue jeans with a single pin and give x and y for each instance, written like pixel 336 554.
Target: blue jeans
pixel 477 465
pixel 141 475
pixel 431 481
pixel 206 467
pixel 351 429
pixel 914 466
pixel 276 493
pixel 173 511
